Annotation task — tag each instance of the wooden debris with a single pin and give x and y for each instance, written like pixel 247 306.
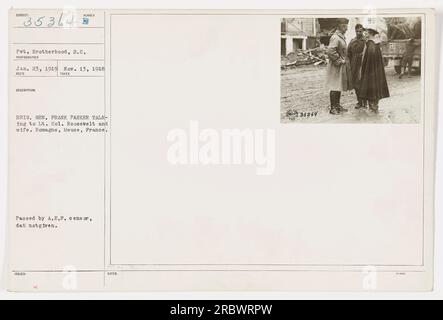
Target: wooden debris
pixel 299 57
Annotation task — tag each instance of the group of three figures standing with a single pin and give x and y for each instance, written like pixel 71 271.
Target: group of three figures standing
pixel 358 67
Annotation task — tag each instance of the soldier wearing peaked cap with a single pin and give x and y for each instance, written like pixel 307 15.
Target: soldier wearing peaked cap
pixel 355 55
pixel 339 69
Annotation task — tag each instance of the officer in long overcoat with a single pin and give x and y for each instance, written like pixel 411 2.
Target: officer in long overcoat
pixel 338 69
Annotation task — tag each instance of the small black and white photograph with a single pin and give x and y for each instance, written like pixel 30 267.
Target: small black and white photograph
pixel 365 69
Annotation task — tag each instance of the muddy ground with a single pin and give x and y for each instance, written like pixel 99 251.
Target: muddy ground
pixel 304 94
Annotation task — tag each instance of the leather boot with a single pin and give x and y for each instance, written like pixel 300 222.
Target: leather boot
pixel 365 103
pixel 342 110
pixel 373 105
pixel 334 106
pixel 376 105
pixel 359 103
pixel 359 100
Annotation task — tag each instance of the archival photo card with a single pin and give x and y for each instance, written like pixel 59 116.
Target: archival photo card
pixel 147 152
